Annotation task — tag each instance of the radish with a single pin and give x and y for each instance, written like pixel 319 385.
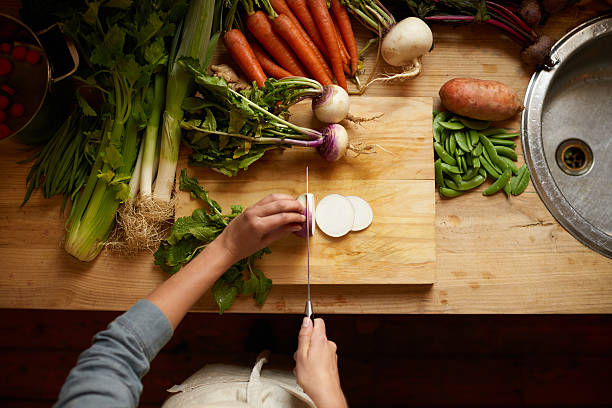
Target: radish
pixel 310 215
pixel 335 215
pixel 363 213
pixel 332 105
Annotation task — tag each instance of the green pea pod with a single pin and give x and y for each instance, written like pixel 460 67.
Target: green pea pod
pixel 504 135
pixel 492 131
pixel 443 136
pixel 448 169
pixel 476 162
pixel 486 164
pixel 453 144
pixel 456 178
pixel 492 153
pixel 506 151
pixel 438 171
pixel 473 137
pixel 482 172
pixel 522 180
pixel 462 142
pixel 502 142
pixel 449 193
pixel 451 184
pixel 436 133
pixel 499 183
pixel 452 125
pixel 437 129
pixel 485 157
pixel 447 158
pixel 472 183
pixel 475 124
pixel 447 143
pixel 470 174
pixel 507 189
pixel 477 150
pixel 459 164
pixel 510 164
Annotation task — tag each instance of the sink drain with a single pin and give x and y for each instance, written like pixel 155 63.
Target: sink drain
pixel 574 157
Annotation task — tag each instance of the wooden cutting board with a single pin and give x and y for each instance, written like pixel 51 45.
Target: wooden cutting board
pixel 397 181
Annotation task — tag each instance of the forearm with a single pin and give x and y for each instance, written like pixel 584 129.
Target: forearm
pixel 181 291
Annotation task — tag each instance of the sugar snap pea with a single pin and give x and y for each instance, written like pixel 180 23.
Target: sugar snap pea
pixel 476 162
pixel 438 172
pixel 507 189
pixel 485 157
pixel 472 183
pixel 451 184
pixel 491 153
pixel 452 144
pixel 482 172
pixel 449 192
pixel 499 183
pixel 504 135
pixel 456 178
pixel 470 174
pixel 452 125
pixel 477 151
pixel 473 137
pixel 502 142
pixel 447 158
pixel 506 151
pixel 448 169
pixel 461 141
pixel 510 164
pixel 486 164
pixel 492 131
pixel 522 180
pixel 475 124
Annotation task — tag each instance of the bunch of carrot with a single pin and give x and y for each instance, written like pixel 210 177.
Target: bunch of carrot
pixel 295 38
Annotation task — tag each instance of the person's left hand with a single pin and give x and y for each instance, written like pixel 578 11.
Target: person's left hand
pixel 261 224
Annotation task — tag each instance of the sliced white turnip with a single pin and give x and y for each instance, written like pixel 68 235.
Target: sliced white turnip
pixel 335 215
pixel 311 214
pixel 363 213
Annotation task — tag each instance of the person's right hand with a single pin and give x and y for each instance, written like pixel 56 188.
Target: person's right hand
pixel 317 366
pixel 261 224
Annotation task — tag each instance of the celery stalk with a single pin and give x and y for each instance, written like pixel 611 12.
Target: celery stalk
pixel 151 139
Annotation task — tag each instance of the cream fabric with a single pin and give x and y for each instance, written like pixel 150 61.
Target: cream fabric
pixel 228 386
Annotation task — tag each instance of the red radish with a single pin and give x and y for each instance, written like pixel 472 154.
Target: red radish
pixel 4 131
pixel 19 53
pixel 4 102
pixel 32 57
pixel 6 88
pixel 5 48
pixel 335 215
pixel 17 110
pixel 2 116
pixel 311 214
pixel 5 66
pixel 363 213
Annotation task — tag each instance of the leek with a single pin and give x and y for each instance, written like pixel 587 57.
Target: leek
pixel 194 42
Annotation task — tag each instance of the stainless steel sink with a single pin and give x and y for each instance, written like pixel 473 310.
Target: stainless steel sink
pixel 566 131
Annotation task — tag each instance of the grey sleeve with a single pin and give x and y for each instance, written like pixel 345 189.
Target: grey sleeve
pixel 108 373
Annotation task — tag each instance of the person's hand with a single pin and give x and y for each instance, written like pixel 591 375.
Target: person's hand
pixel 261 224
pixel 317 366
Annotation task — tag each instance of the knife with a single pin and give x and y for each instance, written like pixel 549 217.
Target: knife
pixel 308 309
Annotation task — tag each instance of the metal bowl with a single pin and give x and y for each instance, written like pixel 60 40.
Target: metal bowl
pixel 566 131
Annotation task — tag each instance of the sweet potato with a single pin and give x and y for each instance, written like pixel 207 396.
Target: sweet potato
pixel 479 99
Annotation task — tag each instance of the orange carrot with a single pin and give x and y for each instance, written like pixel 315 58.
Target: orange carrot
pixel 242 53
pixel 281 7
pixel 286 28
pixel 346 30
pixel 300 8
pixel 346 59
pixel 321 15
pixel 261 27
pixel 270 67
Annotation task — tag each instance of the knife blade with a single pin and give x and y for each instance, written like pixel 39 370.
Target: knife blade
pixel 308 309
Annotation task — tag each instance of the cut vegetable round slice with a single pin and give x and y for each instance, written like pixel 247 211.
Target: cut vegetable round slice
pixel 311 217
pixel 335 215
pixel 363 213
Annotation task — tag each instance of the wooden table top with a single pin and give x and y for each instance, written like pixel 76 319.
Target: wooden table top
pixel 494 254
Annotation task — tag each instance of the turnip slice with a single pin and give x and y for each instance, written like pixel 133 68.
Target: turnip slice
pixel 363 213
pixel 311 216
pixel 335 215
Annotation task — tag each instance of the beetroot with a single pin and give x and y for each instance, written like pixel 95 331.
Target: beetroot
pixel 537 53
pixel 531 12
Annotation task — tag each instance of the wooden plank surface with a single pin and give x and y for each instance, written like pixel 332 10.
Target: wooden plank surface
pixel 494 255
pixel 399 246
